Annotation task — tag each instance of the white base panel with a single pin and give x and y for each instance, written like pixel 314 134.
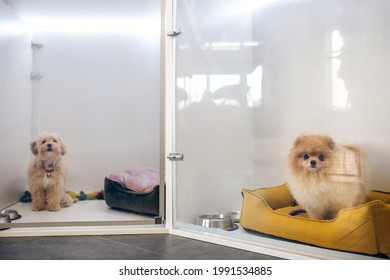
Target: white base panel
pixel 241 239
pixel 88 230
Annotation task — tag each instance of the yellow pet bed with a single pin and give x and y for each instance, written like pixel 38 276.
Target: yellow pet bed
pixel 363 229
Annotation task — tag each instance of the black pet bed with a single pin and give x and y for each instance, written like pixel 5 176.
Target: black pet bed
pixel 119 197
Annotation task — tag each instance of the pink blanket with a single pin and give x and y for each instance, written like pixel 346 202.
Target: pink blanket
pixel 141 180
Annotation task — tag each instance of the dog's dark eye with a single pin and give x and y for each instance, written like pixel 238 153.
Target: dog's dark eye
pixel 54 140
pixel 44 141
pixel 321 157
pixel 305 156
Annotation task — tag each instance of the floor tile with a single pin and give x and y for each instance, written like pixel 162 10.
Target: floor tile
pixel 117 247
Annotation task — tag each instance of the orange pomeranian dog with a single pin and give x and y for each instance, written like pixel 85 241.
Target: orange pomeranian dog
pixel 325 177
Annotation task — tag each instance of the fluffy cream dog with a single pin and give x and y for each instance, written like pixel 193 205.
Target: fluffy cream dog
pixel 325 177
pixel 46 175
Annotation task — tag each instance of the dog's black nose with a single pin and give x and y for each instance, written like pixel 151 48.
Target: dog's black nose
pixel 49 145
pixel 313 163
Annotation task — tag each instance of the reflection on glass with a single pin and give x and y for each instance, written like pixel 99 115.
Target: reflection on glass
pixel 225 46
pixel 221 89
pixel 220 82
pixel 248 6
pixel 340 95
pixel 190 90
pixel 254 81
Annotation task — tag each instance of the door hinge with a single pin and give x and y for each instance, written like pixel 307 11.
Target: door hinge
pixel 35 76
pixel 36 46
pixel 158 220
pixel 174 33
pixel 175 156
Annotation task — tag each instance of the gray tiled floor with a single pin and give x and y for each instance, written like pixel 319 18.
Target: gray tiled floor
pixel 119 247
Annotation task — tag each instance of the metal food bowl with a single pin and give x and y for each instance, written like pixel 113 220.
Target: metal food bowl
pixel 217 221
pixel 13 214
pixel 235 215
pixel 4 219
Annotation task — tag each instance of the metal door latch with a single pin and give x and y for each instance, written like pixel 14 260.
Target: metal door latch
pixel 174 33
pixel 175 156
pixel 36 46
pixel 35 76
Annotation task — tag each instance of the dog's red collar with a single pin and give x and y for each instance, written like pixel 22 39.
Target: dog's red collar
pixel 48 170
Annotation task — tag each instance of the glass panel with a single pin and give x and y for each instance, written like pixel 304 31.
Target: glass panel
pixel 97 83
pixel 253 75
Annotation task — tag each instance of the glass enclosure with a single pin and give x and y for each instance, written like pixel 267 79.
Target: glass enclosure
pixel 90 71
pixel 254 75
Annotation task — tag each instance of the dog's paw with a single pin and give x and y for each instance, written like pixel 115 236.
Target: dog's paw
pixel 53 208
pixel 66 201
pixel 38 207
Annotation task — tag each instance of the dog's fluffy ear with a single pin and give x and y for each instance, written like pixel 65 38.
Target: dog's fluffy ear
pixel 298 141
pixel 329 141
pixel 34 148
pixel 62 145
pixel 63 148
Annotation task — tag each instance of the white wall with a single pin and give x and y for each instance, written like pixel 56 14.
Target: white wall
pixel 15 106
pixel 324 70
pixel 101 92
